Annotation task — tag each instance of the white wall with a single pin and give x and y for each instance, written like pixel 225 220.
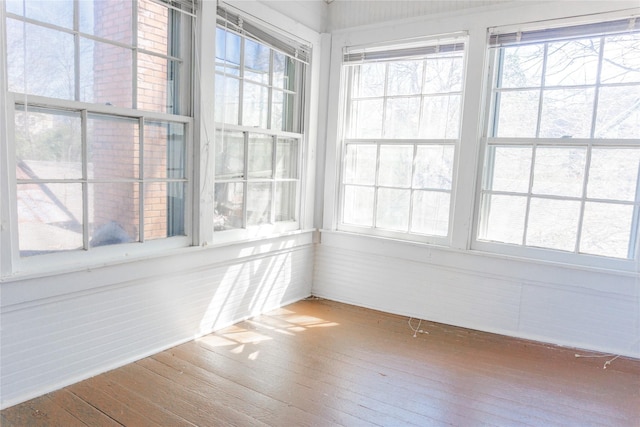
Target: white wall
pixel 582 307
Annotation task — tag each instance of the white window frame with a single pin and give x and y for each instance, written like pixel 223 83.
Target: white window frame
pixel 539 33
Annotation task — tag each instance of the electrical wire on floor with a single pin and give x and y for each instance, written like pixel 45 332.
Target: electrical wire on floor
pixel 417 329
pixel 606 363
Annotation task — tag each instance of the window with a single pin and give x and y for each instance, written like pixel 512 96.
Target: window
pixel 401 133
pixel 100 103
pixel 260 80
pixel 563 148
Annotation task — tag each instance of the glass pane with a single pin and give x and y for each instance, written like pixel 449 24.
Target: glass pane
pixel 157 84
pixel 572 62
pixel 618 112
pixel 48 144
pixel 566 113
pixel 606 229
pixel 49 67
pixel 49 218
pixel 285 201
pixel 227 103
pixel 393 209
pixel 521 66
pixel 284 71
pixel 153 27
pixel 164 150
pixel 228 206
pixel 553 224
pixel 401 118
pixel 443 75
pixel 114 149
pixel 164 209
pixel 56 12
pixel 260 156
pixel 430 213
pixel 256 61
pixel 358 205
pixel 287 158
pixel 440 117
pixel 259 203
pixel 434 167
pixel 282 112
pixel 360 164
pixel 621 62
pixel 517 114
pixel 613 174
pixel 369 80
pixel 227 52
pixel 504 218
pixel 366 119
pixel 229 155
pixel 114 213
pixel 508 168
pixel 106 74
pixel 559 171
pixel 395 165
pixel 255 105
pixel 404 78
pixel 111 20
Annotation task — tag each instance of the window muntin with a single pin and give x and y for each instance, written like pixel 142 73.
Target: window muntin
pixel 259 115
pixel 99 127
pixel 401 129
pixel 563 152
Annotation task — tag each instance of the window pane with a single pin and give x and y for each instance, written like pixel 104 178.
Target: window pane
pixel 164 209
pixel 106 74
pixel 517 114
pixel 508 168
pixel 440 117
pixel 285 201
pixel 606 229
pixel 157 84
pixel 613 174
pixel 48 69
pixel 56 12
pixel 358 205
pixel 559 171
pixel 360 164
pixel 282 112
pixel 369 80
pixel 395 165
pixel 256 61
pixel 113 145
pixel 504 216
pixel 164 150
pixel 255 105
pixel 566 113
pixel 153 24
pixel 48 144
pixel 114 213
pixel 114 19
pixel 553 224
pixel 618 112
pixel 521 66
pixel 434 167
pixel 260 156
pixel 227 102
pixel 572 62
pixel 49 218
pixel 443 75
pixel 393 209
pixel 227 52
pixel 229 155
pixel 366 119
pixel 284 71
pixel 621 62
pixel 228 205
pixel 401 118
pixel 430 213
pixel 287 158
pixel 404 78
pixel 259 203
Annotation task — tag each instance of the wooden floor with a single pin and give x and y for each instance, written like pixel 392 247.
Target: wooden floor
pixel 321 363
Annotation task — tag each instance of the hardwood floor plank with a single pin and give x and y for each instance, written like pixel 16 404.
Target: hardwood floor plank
pixel 41 411
pixel 80 409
